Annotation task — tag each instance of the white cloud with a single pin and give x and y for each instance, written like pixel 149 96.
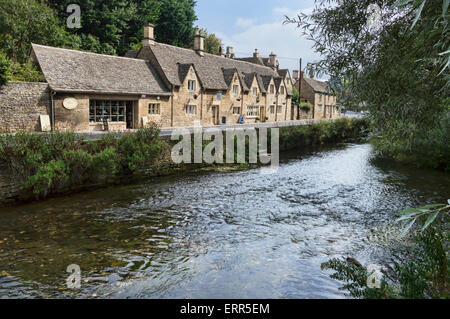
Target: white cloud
pixel 245 23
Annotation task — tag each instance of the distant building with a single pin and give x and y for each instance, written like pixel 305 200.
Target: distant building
pixel 319 95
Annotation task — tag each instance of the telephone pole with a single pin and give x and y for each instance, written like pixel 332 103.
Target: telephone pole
pixel 299 89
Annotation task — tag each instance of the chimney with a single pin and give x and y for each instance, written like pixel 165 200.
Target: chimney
pixel 295 74
pixel 149 37
pixel 273 63
pixel 256 54
pixel 311 73
pixel 221 52
pixel 230 53
pixel 303 75
pixel 199 42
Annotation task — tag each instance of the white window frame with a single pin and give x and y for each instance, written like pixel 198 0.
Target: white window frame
pixel 154 109
pixel 190 110
pixel 113 111
pixel 192 84
pixel 236 89
pixel 272 109
pixel 272 89
pixel 279 109
pixel 252 111
pixel 282 90
pixel 236 110
pixel 255 91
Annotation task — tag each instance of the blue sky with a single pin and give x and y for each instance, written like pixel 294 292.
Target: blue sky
pixel 250 24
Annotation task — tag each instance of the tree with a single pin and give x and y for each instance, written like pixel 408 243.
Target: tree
pixel 110 26
pixel 212 43
pixel 399 69
pixel 175 25
pixel 26 21
pixel 5 69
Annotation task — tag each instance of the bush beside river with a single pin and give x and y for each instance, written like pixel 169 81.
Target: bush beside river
pixel 46 164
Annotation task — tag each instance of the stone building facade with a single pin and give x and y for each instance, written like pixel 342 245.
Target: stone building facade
pixel 21 104
pixel 320 96
pixel 158 84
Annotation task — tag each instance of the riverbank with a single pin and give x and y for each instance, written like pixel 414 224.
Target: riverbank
pixel 40 166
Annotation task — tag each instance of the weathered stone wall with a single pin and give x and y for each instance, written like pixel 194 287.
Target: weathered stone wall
pixel 21 103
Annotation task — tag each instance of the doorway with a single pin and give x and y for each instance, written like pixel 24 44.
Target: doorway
pixel 215 115
pixel 130 115
pixel 262 114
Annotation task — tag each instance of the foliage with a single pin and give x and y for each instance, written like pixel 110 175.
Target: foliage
pixel 423 270
pixel 176 22
pixel 399 71
pixel 56 162
pixel 5 68
pixel 25 21
pixel 412 215
pixel 295 96
pixel 110 26
pixel 323 132
pixel 212 43
pixel 306 106
pixel 28 72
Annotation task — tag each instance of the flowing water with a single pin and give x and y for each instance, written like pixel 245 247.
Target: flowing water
pixel 214 234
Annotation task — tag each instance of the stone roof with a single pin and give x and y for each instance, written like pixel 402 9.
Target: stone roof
pixel 183 70
pixel 84 72
pixel 318 86
pixel 209 67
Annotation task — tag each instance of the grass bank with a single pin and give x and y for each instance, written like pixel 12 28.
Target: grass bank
pixel 59 163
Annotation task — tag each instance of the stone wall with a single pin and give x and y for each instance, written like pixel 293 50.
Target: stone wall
pixel 21 103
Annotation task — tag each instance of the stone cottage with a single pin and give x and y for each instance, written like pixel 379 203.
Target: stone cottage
pixel 160 83
pixel 319 95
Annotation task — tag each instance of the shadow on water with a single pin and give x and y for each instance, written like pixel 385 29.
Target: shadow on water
pixel 213 235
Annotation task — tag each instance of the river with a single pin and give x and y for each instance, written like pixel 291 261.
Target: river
pixel 239 234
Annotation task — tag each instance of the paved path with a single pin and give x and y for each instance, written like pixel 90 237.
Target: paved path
pixel 168 131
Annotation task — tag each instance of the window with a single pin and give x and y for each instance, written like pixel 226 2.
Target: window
pixel 319 107
pixel 236 110
pixel 272 109
pixel 320 97
pixel 255 91
pixel 235 89
pixel 154 109
pixel 252 111
pixel 279 107
pixel 191 85
pixel 191 109
pixel 113 111
pixel 282 90
pixel 272 89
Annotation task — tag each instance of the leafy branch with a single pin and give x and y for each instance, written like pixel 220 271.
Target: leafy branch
pixel 411 215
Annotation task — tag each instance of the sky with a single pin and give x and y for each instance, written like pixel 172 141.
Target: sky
pixel 247 25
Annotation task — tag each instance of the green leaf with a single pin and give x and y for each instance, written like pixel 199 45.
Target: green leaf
pixel 407 228
pixel 445 5
pixel 410 211
pixel 419 13
pixel 402 3
pixel 432 206
pixel 403 218
pixel 430 220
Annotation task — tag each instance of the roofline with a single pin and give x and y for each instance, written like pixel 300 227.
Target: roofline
pixel 214 55
pixel 86 52
pixel 60 90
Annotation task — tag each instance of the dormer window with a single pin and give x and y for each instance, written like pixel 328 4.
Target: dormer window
pixel 235 89
pixel 191 85
pixel 255 92
pixel 282 90
pixel 272 89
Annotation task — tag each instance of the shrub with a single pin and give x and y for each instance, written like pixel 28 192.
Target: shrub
pixel 5 69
